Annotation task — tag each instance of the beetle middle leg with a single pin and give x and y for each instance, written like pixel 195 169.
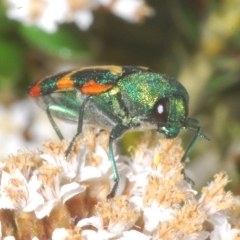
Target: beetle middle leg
pixel 116 132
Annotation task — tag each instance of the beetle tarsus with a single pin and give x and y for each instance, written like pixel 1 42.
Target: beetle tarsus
pixel 113 191
pixel 187 179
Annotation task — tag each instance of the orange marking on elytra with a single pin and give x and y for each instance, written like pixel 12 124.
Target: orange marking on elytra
pixel 94 88
pixel 65 82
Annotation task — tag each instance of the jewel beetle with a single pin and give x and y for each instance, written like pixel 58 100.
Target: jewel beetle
pixel 118 98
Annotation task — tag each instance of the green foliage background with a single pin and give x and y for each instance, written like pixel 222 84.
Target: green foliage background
pixel 196 42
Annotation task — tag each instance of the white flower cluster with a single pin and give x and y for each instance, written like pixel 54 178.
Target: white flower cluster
pixel 67 199
pixel 48 14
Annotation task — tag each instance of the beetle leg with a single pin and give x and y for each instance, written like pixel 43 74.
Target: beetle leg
pixel 79 127
pixel 191 124
pixel 58 109
pixel 116 132
pixel 55 127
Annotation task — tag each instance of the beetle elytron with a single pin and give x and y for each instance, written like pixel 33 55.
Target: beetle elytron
pixel 119 98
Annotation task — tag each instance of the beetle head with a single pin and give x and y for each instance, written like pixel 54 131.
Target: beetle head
pixel 170 113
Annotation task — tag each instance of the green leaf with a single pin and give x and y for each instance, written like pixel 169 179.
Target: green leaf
pixel 10 62
pixel 64 43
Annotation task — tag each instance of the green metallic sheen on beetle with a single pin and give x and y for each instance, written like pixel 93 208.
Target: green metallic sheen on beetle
pixel 119 98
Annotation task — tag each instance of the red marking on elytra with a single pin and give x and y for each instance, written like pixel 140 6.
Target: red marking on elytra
pixel 35 91
pixel 94 88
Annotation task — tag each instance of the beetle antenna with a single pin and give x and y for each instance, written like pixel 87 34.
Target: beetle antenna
pixel 197 133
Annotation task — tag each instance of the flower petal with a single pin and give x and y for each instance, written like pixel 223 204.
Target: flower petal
pixel 93 221
pixel 45 209
pixel 69 190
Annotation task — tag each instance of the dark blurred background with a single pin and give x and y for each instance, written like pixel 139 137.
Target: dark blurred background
pixel 196 42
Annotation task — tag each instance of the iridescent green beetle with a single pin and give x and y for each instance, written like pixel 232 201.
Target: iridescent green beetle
pixel 119 98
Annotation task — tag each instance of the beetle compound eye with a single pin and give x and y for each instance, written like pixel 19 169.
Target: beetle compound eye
pixel 160 110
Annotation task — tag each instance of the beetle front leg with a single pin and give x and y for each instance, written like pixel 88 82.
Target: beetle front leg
pixel 191 124
pixel 116 132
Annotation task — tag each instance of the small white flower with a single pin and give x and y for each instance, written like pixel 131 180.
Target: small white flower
pixel 223 232
pixel 54 194
pixel 104 232
pixel 60 234
pixel 96 222
pixel 54 14
pixel 130 10
pixel 48 14
pixel 45 14
pixel 140 182
pixel 83 18
pixel 156 214
pixel 89 172
pixel 17 193
pixel 210 208
pixel 103 172
pixel 9 238
pixel 19 10
pixel 70 168
pixel 133 234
